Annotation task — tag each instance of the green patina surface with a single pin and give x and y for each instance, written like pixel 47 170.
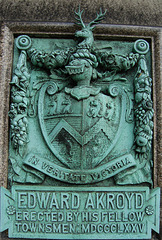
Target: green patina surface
pixel 81 113
pixel 80 213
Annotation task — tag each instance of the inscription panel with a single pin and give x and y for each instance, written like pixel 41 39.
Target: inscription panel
pixel 57 212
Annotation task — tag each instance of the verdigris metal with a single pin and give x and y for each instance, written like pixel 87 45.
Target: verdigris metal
pixel 80 213
pixel 81 112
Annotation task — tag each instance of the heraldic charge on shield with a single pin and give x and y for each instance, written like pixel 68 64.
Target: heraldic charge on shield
pixel 81 109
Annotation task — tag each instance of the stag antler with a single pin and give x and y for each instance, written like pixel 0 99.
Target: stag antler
pixel 79 18
pixel 97 20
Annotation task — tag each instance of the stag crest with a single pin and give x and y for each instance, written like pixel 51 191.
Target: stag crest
pixel 86 32
pixel 91 25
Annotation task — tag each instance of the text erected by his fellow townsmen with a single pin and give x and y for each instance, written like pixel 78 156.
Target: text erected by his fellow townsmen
pixel 62 212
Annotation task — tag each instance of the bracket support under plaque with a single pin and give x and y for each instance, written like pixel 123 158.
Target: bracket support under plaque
pixel 80 143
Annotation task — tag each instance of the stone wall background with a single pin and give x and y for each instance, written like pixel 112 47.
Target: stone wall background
pixel 136 12
pixel 35 14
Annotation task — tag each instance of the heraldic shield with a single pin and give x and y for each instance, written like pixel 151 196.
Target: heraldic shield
pixel 81 130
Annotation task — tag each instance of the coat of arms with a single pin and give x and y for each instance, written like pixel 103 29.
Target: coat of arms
pixel 81 109
pixel 80 137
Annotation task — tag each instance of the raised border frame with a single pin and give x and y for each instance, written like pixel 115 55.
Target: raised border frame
pixel 53 29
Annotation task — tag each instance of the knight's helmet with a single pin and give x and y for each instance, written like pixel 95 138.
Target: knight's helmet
pixel 81 60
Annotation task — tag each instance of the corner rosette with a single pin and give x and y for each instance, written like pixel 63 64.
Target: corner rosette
pixel 23 42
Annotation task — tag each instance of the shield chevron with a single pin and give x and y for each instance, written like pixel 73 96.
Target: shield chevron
pixel 81 133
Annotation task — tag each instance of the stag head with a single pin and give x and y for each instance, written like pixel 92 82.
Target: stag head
pixel 86 32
